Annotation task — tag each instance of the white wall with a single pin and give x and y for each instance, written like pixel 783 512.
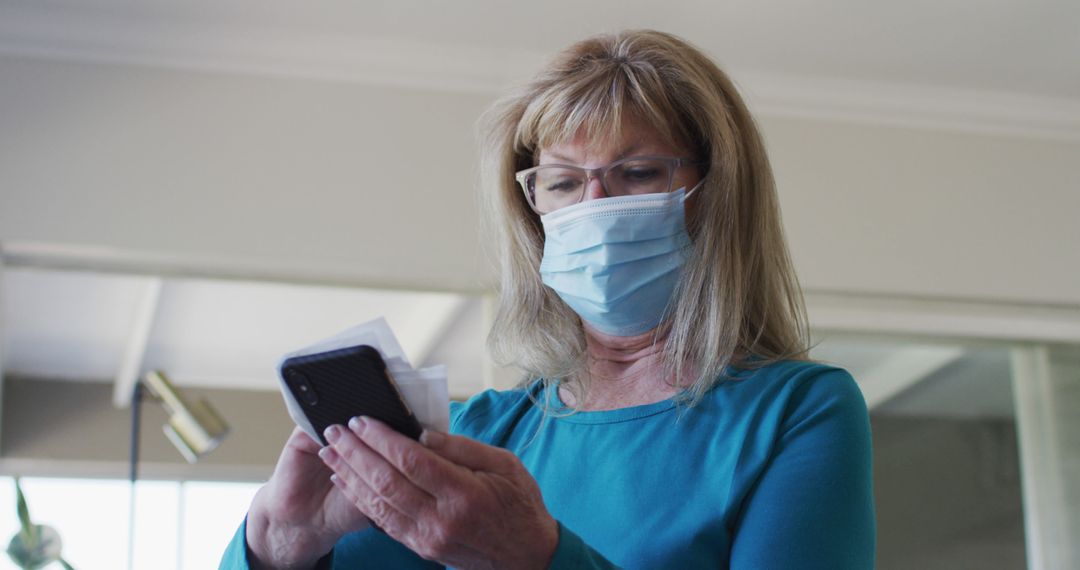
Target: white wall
pixel 367 184
pixel 361 183
pixel 918 212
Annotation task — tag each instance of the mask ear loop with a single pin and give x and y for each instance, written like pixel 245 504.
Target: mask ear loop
pixel 695 188
pixel 688 219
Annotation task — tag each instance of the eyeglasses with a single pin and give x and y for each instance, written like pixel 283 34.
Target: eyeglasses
pixel 549 187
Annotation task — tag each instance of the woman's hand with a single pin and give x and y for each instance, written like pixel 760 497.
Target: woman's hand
pixel 451 499
pixel 299 514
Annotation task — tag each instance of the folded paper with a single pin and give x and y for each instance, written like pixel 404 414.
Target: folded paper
pixel 425 390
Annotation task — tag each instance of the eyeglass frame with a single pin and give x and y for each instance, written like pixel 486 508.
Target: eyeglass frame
pixel 600 173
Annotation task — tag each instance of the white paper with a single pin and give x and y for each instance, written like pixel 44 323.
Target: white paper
pixel 424 390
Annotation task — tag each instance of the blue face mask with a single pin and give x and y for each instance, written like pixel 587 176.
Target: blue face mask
pixel 616 261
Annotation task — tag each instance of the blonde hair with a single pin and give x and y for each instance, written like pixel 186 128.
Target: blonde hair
pixel 738 302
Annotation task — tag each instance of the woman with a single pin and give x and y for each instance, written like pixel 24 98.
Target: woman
pixel 674 420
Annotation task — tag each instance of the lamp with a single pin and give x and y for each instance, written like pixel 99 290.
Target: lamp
pixel 195 428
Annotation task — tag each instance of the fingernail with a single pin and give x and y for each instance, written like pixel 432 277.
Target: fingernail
pixel 358 425
pixel 432 438
pixel 332 433
pixel 335 479
pixel 326 453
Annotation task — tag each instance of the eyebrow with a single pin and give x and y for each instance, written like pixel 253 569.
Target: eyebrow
pixel 628 151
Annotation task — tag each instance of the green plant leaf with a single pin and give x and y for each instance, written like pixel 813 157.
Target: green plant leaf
pixel 65 564
pixel 28 530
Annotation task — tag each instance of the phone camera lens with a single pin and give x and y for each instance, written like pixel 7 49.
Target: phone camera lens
pixel 302 388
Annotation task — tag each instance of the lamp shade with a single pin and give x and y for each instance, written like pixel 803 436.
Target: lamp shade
pixel 194 428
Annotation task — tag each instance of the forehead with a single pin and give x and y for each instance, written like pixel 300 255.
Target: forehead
pixel 633 137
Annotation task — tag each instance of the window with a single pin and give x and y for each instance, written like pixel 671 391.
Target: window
pixel 178 525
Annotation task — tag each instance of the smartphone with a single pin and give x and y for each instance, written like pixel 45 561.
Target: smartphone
pixel 332 387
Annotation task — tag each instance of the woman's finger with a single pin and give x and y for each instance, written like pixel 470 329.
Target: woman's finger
pixel 354 462
pixel 425 536
pixel 427 470
pixel 375 508
pixel 301 441
pixel 478 494
pixel 470 453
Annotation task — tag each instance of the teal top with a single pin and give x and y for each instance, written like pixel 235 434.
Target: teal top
pixel 772 469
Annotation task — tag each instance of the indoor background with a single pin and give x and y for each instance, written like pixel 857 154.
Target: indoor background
pixel 201 186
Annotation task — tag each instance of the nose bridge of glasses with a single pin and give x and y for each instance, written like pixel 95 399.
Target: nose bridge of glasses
pixel 595 185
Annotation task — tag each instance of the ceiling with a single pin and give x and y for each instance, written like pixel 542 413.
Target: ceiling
pixel 970 62
pixel 999 66
pixel 84 326
pixel 923 378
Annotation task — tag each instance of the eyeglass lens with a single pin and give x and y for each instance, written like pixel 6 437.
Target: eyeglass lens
pixel 554 187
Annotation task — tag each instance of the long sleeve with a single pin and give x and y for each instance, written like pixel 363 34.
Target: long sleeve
pixel 771 470
pixel 812 506
pixel 573 554
pixel 356 551
pixel 235 556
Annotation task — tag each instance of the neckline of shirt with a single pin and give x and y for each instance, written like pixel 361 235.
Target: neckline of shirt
pixel 550 396
pixel 555 403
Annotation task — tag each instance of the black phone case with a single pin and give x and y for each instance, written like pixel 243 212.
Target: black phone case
pixel 333 387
